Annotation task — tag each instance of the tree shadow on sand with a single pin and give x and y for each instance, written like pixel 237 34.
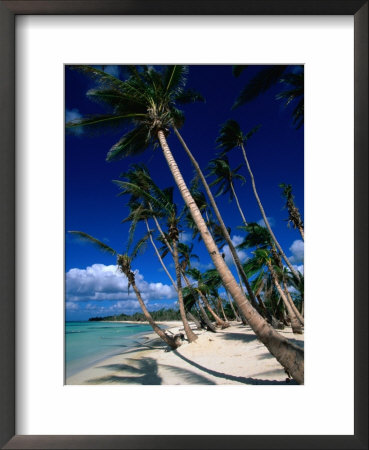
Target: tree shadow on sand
pixel 243 380
pixel 144 371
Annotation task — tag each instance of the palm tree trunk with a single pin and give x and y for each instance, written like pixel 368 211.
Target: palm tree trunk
pixel 172 342
pixel 205 317
pixel 191 336
pixel 193 319
pixel 159 257
pixel 301 230
pixel 289 355
pixel 293 306
pixel 238 204
pixel 219 218
pixel 265 217
pixel 217 319
pixel 295 323
pixel 222 309
pixel 237 317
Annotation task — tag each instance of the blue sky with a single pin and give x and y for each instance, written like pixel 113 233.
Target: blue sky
pixel 276 154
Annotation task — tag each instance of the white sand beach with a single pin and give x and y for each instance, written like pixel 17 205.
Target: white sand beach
pixel 230 356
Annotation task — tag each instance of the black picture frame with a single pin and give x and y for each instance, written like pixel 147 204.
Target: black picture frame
pixel 8 12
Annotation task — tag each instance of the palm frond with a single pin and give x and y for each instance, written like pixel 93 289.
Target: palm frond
pixel 260 83
pixel 237 70
pixel 86 237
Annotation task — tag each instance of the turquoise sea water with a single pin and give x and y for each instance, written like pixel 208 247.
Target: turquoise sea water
pixel 87 343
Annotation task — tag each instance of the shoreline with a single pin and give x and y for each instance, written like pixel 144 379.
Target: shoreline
pixel 230 356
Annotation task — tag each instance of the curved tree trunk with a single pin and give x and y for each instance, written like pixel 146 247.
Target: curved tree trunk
pixel 301 230
pixel 265 217
pixel 191 336
pixel 238 204
pixel 223 227
pixel 159 257
pixel 172 342
pixel 295 323
pixel 293 306
pixel 193 319
pixel 289 355
pixel 205 317
pixel 217 319
pixel 237 317
pixel 222 309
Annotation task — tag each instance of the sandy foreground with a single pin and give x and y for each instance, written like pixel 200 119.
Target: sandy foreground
pixel 230 356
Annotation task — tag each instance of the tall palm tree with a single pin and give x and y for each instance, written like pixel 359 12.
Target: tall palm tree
pixel 269 76
pixel 259 237
pixel 225 176
pixel 263 258
pixel 225 231
pixel 124 262
pixel 294 216
pixel 162 205
pixel 231 137
pixel 148 102
pixel 203 290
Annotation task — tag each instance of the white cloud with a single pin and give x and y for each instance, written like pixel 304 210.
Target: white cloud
pixel 270 220
pixel 185 237
pixel 297 250
pixel 99 282
pixel 236 240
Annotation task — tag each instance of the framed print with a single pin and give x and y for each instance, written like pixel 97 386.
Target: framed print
pixel 43 45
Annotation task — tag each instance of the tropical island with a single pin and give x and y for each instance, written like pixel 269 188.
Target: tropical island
pixel 237 311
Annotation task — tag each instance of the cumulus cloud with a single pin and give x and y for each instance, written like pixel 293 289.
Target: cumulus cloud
pixel 297 250
pixel 270 220
pixel 185 237
pixel 236 240
pixel 100 282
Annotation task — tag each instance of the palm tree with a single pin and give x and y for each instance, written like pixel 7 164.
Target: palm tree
pixel 148 102
pixel 231 137
pixel 269 76
pixel 263 258
pixel 294 216
pixel 124 262
pixel 225 231
pixel 259 237
pixel 224 179
pixel 203 289
pixel 161 204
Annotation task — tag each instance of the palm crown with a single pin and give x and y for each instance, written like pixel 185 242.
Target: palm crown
pixel 144 104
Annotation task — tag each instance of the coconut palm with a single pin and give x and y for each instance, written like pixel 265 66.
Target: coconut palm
pixel 294 216
pixel 147 104
pixel 124 262
pixel 269 76
pixel 225 176
pixel 260 238
pixel 203 290
pixel 161 204
pixel 231 137
pixel 224 230
pixel 262 257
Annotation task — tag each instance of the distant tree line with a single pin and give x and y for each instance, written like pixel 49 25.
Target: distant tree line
pixel 160 315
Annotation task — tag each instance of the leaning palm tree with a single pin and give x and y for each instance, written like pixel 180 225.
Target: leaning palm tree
pixel 263 258
pixel 294 216
pixel 161 205
pixel 231 137
pixel 269 76
pixel 225 176
pixel 147 104
pixel 124 262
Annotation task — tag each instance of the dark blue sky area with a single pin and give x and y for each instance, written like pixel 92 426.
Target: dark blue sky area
pixel 275 152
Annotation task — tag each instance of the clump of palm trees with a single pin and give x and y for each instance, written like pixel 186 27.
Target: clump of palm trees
pixel 146 105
